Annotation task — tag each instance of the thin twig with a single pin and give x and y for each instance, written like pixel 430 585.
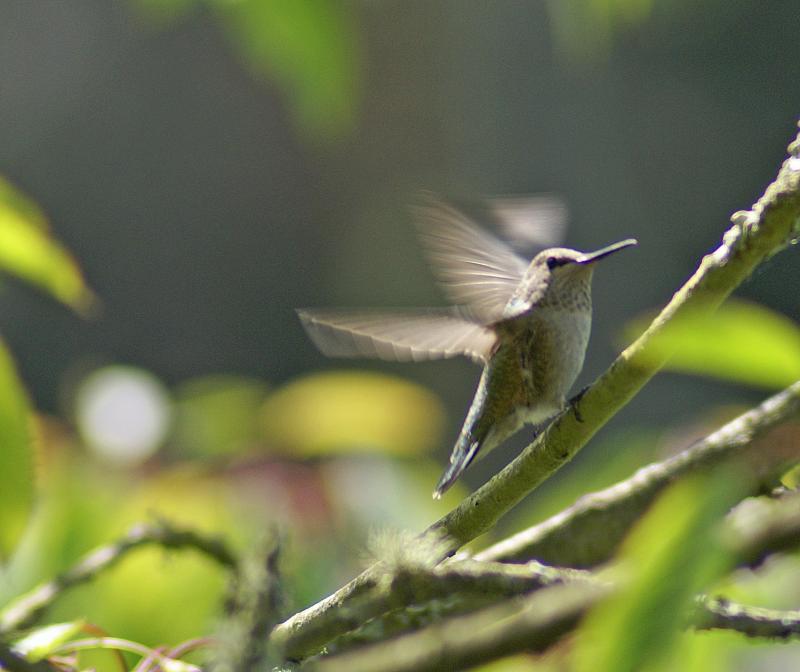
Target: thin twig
pixel 718 614
pixel 28 608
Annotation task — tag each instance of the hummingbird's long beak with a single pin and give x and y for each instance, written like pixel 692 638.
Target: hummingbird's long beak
pixel 590 257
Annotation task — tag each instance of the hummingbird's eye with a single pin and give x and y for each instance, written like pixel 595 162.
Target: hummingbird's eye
pixel 552 262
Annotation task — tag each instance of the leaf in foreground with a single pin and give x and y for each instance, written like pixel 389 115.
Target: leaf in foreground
pixel 16 456
pixel 43 642
pixel 668 557
pixel 29 252
pixel 741 341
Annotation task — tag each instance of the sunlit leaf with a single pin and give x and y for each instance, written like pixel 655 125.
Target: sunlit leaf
pixel 668 557
pixel 43 642
pixel 741 342
pixel 309 48
pixel 345 412
pixel 29 252
pixel 16 456
pixel 218 414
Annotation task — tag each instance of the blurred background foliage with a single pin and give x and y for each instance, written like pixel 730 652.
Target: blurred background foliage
pixel 215 163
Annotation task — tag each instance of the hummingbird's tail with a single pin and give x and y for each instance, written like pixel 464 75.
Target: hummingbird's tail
pixel 463 453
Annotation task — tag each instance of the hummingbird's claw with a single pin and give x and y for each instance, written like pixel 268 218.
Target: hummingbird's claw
pixel 573 403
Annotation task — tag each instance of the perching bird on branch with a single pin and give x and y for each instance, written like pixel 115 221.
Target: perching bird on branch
pixel 527 323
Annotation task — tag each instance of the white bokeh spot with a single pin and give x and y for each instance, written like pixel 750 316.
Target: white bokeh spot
pixel 123 413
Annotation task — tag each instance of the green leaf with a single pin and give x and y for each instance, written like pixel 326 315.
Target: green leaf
pixel 346 412
pixel 42 642
pixel 668 557
pixel 29 252
pixel 309 48
pixel 741 342
pixel 16 456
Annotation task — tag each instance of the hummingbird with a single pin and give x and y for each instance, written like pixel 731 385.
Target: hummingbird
pixel 527 323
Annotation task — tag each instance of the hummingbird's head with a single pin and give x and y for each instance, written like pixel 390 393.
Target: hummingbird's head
pixel 559 269
pixel 559 259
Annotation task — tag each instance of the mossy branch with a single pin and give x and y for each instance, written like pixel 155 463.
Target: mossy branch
pixel 756 234
pixel 536 621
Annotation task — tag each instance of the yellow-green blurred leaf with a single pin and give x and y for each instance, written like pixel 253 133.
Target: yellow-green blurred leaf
pixel 16 456
pixel 345 412
pixel 42 642
pixel 29 252
pixel 669 556
pixel 218 414
pixel 741 342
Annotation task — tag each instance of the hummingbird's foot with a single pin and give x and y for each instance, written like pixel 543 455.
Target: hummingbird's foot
pixel 573 403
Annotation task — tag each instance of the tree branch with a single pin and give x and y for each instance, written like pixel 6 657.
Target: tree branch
pixel 538 620
pixel 717 614
pixel 415 597
pixel 588 532
pixel 28 608
pixel 755 235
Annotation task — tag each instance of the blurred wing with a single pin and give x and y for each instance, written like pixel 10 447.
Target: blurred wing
pixel 397 336
pixel 530 222
pixel 475 268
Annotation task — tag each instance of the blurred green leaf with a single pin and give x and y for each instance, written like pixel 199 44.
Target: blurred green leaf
pixel 309 47
pixel 668 557
pixel 741 341
pixel 43 642
pixel 218 415
pixel 345 412
pixel 16 456
pixel 29 252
